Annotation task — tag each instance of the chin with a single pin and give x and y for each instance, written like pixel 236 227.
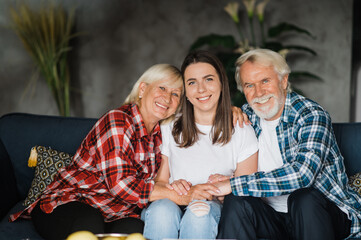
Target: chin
pixel 266 112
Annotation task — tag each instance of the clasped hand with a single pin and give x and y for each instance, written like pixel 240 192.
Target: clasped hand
pixel 215 187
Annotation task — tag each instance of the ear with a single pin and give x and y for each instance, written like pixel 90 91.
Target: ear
pixel 284 82
pixel 142 87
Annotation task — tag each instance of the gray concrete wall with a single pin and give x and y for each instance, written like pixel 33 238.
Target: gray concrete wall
pixel 123 38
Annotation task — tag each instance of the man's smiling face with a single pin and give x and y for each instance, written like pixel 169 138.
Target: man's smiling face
pixel 263 89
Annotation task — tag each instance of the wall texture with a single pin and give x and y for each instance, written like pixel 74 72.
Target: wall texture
pixel 123 38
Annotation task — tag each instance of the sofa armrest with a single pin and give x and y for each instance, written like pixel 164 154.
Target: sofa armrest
pixel 348 137
pixel 9 193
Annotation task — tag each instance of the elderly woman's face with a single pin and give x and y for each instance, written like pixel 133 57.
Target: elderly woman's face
pixel 159 100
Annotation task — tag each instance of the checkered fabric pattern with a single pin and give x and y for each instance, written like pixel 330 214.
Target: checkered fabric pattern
pixel 311 158
pixel 49 162
pixel 113 170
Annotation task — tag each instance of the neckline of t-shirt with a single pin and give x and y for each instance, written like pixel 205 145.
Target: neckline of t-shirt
pixel 203 127
pixel 271 123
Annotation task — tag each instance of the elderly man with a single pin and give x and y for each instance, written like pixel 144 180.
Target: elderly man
pixel 300 191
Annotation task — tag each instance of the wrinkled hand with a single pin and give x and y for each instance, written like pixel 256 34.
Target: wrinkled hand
pixel 240 116
pixel 224 188
pixel 181 186
pixel 217 178
pixel 200 192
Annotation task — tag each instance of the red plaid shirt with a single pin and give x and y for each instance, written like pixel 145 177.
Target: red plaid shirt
pixel 113 170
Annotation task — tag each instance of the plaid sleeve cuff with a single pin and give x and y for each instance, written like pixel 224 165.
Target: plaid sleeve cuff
pixel 239 186
pixel 144 195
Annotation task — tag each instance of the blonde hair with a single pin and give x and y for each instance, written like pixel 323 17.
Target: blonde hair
pixel 264 57
pixel 153 74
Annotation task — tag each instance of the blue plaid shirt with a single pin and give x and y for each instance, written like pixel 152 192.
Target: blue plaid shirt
pixel 310 155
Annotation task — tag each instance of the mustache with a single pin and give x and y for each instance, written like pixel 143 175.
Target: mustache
pixel 261 99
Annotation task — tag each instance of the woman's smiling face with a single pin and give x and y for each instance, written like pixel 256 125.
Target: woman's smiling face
pixel 159 100
pixel 202 87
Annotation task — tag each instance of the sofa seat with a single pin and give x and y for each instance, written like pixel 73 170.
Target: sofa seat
pixel 19 132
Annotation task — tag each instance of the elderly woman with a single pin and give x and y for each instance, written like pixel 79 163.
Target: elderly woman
pixel 111 176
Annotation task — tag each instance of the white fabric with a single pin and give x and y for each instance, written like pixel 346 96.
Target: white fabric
pixel 197 162
pixel 270 158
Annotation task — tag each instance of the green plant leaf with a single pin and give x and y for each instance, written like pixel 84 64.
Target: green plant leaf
pixel 299 91
pixel 277 46
pixel 296 75
pixel 45 34
pixel 214 40
pixel 274 46
pixel 238 99
pixel 301 48
pixel 286 27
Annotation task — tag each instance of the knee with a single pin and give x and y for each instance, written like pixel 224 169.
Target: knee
pixel 199 208
pixel 163 209
pixel 200 216
pixel 304 198
pixel 235 205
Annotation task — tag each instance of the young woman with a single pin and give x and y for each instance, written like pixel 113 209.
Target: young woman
pixel 199 147
pixel 112 173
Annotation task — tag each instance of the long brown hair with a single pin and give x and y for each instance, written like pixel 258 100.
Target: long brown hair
pixel 185 131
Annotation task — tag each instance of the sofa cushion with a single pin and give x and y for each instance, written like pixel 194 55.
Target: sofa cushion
pixel 19 132
pixel 20 229
pixel 9 194
pixel 348 137
pixel 48 163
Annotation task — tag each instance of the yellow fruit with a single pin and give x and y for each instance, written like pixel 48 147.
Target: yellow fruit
pixel 135 236
pixel 82 235
pixel 113 238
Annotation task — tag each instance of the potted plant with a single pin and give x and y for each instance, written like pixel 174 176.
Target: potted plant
pixel 45 34
pixel 228 48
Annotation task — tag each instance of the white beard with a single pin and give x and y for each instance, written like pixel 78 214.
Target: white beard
pixel 267 112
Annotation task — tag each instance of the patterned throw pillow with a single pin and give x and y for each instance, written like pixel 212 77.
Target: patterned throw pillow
pixel 47 164
pixel 355 182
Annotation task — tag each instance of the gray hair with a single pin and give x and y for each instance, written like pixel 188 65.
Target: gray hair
pixel 153 74
pixel 264 57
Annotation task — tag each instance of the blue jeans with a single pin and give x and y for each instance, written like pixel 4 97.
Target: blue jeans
pixel 165 219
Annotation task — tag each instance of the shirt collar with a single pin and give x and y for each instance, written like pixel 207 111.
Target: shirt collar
pixel 138 120
pixel 287 109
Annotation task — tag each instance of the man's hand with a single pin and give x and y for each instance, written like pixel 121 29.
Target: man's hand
pixel 240 116
pixel 202 191
pixel 224 188
pixel 197 192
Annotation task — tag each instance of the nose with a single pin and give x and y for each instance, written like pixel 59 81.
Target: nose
pixel 201 87
pixel 259 91
pixel 167 96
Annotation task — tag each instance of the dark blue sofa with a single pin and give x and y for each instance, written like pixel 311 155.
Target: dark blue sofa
pixel 20 132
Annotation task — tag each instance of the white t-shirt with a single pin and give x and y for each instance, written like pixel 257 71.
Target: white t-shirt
pixel 197 162
pixel 270 158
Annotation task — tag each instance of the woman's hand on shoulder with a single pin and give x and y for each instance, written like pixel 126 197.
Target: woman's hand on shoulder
pixel 181 186
pixel 240 116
